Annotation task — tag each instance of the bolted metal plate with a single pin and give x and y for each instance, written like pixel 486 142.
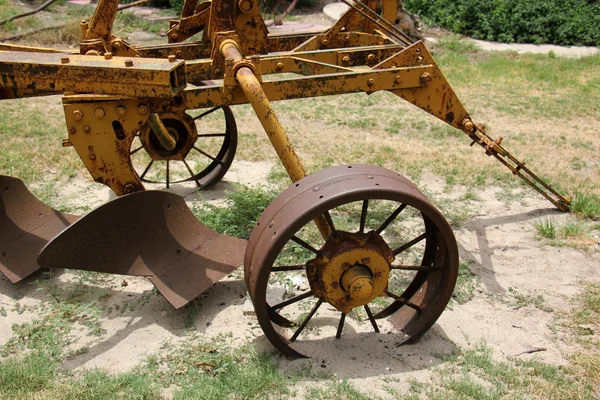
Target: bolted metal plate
pixel 26 225
pixel 151 234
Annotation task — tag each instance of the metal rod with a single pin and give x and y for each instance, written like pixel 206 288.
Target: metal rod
pixel 291 301
pixel 363 216
pixel 340 326
pixel 391 218
pixel 370 315
pixel 162 134
pixel 302 243
pixel 411 243
pixel 257 98
pixel 403 300
pixel 285 268
pixel 207 112
pixel 414 268
pixel 191 173
pixel 308 317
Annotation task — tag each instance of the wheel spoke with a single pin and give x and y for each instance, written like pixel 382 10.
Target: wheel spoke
pixel 284 268
pixel 329 221
pixel 410 244
pixel 363 215
pixel 391 218
pixel 415 268
pixel 136 150
pixel 207 155
pixel 168 174
pixel 373 322
pixel 213 135
pixel 302 243
pixel 308 317
pixel 402 300
pixel 147 169
pixel 291 301
pixel 191 173
pixel 340 326
pixel 204 114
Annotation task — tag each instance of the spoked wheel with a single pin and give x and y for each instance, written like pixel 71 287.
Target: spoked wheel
pixel 389 264
pixel 200 156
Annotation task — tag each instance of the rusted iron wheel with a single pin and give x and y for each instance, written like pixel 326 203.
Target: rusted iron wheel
pixel 201 154
pixel 390 263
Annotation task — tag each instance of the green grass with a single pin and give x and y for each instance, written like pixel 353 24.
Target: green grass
pixel 586 206
pixel 466 283
pixel 546 228
pixel 239 217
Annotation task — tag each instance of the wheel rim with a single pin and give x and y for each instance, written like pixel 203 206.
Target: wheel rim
pixel 416 292
pixel 201 156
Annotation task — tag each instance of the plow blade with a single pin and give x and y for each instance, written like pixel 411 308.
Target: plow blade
pixel 151 234
pixel 26 225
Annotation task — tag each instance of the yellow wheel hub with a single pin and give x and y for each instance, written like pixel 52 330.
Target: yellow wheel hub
pixel 350 270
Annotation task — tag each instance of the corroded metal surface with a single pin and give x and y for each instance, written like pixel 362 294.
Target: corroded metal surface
pixel 26 225
pixel 415 310
pixel 151 234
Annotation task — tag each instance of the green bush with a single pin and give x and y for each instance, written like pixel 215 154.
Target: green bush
pixel 566 22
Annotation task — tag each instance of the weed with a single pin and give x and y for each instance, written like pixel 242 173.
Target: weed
pixel 466 283
pixel 26 375
pixel 521 300
pixel 340 390
pixel 546 228
pixel 238 219
pixel 586 205
pixel 573 228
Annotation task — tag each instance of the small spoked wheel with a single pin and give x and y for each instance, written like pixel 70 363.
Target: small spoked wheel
pixel 389 263
pixel 201 156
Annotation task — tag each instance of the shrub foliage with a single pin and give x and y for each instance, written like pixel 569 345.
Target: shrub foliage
pixel 566 22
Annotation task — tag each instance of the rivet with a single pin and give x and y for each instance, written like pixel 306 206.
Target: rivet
pixel 128 63
pixel 77 115
pixel 121 111
pixel 107 56
pixel 64 60
pixel 324 42
pixel 280 66
pixel 172 58
pixel 142 109
pixel 99 113
pixel 371 82
pixel 116 45
pixel 316 189
pixel 426 78
pixel 346 60
pixel 86 129
pixel 369 176
pixel 72 130
pixel 371 58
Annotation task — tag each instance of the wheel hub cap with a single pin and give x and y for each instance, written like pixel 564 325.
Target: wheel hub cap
pixel 350 270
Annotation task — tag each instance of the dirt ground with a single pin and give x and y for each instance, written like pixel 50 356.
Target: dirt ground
pixel 499 241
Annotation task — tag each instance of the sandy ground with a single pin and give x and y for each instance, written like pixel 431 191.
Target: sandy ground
pixel 499 240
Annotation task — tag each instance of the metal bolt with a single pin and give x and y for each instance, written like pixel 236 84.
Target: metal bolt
pixel 99 113
pixel 346 60
pixel 398 79
pixel 172 58
pixel 72 130
pixel 324 42
pixel 116 45
pixel 371 82
pixel 468 125
pixel 229 97
pixel 129 187
pixel 64 60
pixel 279 66
pixel 426 78
pixel 371 58
pixel 77 115
pixel 86 129
pixel 121 111
pixel 143 109
pixel 107 56
pixel 128 63
pixel 245 5
pixel 174 36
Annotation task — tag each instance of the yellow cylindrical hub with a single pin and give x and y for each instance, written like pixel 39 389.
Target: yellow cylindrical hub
pixel 357 281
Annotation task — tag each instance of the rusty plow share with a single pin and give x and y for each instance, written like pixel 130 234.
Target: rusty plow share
pixel 349 242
